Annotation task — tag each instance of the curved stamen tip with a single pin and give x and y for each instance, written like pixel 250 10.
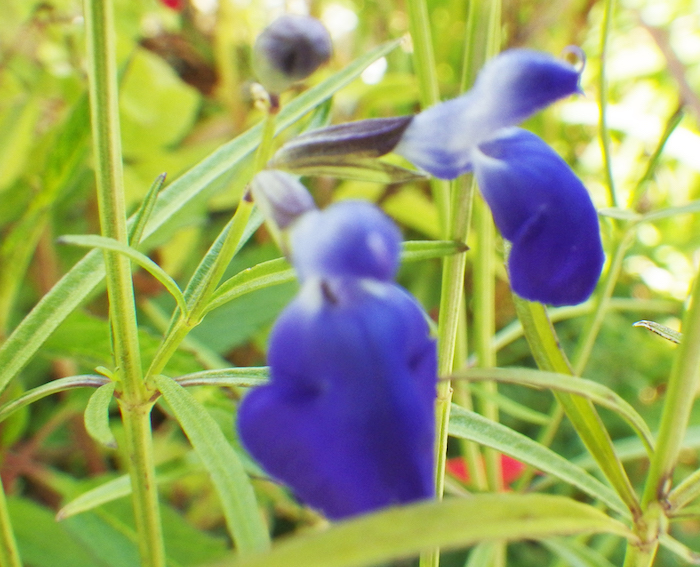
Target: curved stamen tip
pixel 574 55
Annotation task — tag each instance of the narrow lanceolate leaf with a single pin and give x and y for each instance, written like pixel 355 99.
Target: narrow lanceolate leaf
pixel 191 187
pixel 473 427
pixel 243 518
pixel 680 550
pixel 278 271
pixel 246 377
pixel 120 487
pixel 104 243
pixel 53 387
pixel 260 276
pixel 661 330
pixel 97 416
pixel 539 379
pixel 575 553
pixel 145 210
pixel 452 523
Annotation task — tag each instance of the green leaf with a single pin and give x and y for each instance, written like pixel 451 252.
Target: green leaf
pixel 661 330
pixel 183 193
pixel 104 243
pixel 272 272
pixel 245 377
pixel 144 212
pixel 680 550
pixel 45 543
pixel 597 393
pixel 473 427
pixel 17 126
pixel 549 356
pixel 417 250
pixel 120 487
pixel 405 531
pixel 243 517
pixel 575 554
pixel 97 416
pixel 510 407
pixel 278 271
pixel 53 387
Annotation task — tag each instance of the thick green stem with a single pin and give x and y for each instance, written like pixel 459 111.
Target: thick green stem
pixel 139 449
pixel 9 554
pixel 134 396
pixel 680 395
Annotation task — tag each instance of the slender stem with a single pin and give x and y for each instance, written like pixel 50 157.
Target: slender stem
pixel 450 304
pixel 682 387
pixel 602 303
pixel 423 53
pixel 9 554
pixel 199 300
pixel 133 393
pixel 484 321
pixel 603 101
pixel 428 89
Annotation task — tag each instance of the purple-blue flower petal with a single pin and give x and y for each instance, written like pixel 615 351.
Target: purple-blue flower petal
pixel 512 86
pixel 540 205
pixel 347 420
pixel 348 239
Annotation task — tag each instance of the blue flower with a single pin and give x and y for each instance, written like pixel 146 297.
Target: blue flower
pixel 511 87
pixel 538 203
pixel 347 420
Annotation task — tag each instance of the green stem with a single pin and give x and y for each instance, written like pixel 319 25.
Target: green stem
pixel 9 554
pixel 602 303
pixel 102 72
pixel 453 268
pixel 484 322
pixel 603 101
pixel 199 300
pixel 139 448
pixel 428 89
pixel 423 54
pixel 682 388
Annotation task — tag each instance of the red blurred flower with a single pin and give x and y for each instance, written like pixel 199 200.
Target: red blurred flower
pixel 174 4
pixel 510 468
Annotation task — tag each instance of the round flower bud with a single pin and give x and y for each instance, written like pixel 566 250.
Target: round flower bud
pixel 289 50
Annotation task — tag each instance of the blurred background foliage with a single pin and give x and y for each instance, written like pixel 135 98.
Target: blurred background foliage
pixel 185 90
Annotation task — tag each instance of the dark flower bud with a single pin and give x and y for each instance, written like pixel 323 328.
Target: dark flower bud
pixel 289 50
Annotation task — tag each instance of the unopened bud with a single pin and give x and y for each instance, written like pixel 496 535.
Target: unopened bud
pixel 289 50
pixel 280 197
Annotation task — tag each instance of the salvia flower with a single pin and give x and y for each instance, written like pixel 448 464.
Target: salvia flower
pixel 289 50
pixel 538 203
pixel 347 419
